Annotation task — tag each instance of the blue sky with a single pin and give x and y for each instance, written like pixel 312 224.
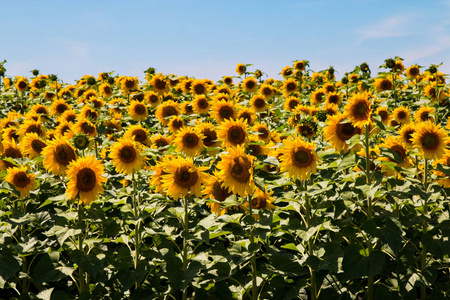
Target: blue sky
pixel 206 39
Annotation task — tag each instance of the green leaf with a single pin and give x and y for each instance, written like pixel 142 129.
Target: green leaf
pixel 392 234
pixel 356 265
pixel 45 294
pixel 89 263
pixel 348 162
pixel 62 233
pixel 10 264
pixel 48 270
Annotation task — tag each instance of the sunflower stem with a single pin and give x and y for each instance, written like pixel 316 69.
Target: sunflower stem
pixel 369 206
pixel 310 242
pixel 81 275
pixel 24 259
pixel 423 263
pixel 185 241
pixel 137 235
pixel 252 252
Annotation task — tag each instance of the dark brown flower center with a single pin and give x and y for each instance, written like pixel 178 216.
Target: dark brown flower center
pixel 401 115
pixel 91 114
pixel 139 135
pixel 430 141
pixel 86 180
pixel 210 137
pixel 302 157
pixel 37 145
pixel 219 193
pixel 236 135
pixel 21 180
pixel 333 99
pixel 127 154
pixel 346 131
pixel 161 143
pixel 255 149
pixel 22 85
pixel 226 112
pixel 293 103
pixel 259 202
pixel 401 152
pixel 87 128
pixel 240 169
pixel 41 110
pixel 64 154
pixel 385 85
pixel 184 178
pixel 202 103
pixel 129 83
pixel 384 115
pixel 263 133
pixel 360 110
pixel 318 97
pixel 291 86
pixel 199 89
pixel 250 85
pixel 11 153
pixel 160 84
pixel 61 107
pixel 153 99
pixel 140 109
pixel 190 140
pixel 260 103
pixel 168 111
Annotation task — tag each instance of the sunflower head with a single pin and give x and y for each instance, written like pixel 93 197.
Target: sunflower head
pixel 58 154
pixel 359 110
pixel 339 130
pixel 233 132
pixel 383 84
pixel 22 181
pixel 200 104
pixel 223 110
pixel 424 114
pixel 241 69
pixel 80 141
pixel 125 155
pixel 401 115
pixel 189 141
pixel 250 84
pixel 430 139
pixel 166 110
pixel 258 103
pixel 298 158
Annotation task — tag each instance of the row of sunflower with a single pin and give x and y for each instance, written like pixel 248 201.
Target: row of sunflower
pixel 250 187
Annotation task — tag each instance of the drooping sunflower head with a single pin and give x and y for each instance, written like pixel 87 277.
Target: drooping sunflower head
pixel 22 181
pixel 298 158
pixel 430 139
pixel 85 177
pixel 258 103
pixel 233 132
pixel 80 141
pixel 138 111
pixel 125 155
pixel 57 155
pixel 183 178
pixel 424 114
pixel 250 84
pixel 189 141
pixel 339 130
pixel 401 115
pixel 32 145
pixel 236 171
pixel 359 110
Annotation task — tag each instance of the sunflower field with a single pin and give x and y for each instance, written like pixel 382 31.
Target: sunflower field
pixel 173 187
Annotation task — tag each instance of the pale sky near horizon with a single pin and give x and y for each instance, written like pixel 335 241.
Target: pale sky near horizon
pixel 206 39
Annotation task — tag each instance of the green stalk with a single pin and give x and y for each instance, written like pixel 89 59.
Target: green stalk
pixel 137 234
pixel 310 244
pixel 24 263
pixel 369 206
pixel 81 275
pixel 185 252
pixel 253 257
pixel 423 263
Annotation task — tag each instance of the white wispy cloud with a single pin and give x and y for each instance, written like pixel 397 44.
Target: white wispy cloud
pixel 394 26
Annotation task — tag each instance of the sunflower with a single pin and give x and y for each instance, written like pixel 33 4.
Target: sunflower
pixel 247 114
pixel 29 126
pixel 85 126
pixel 286 71
pixel 383 84
pixel 88 95
pixel 289 86
pixel 228 80
pixel 129 84
pixel 89 113
pixel 406 134
pixel 298 158
pixel 159 141
pixel 137 111
pixel 189 141
pixel 330 109
pixel 10 150
pixel 175 124
pixel 430 92
pixel 223 89
pixel 105 90
pixel 58 154
pixel 65 93
pixel 85 179
pixel 167 109
pixel 125 155
pixel 359 110
pixel 250 84
pixel 430 139
pixel 40 109
pixel 65 129
pixel 209 133
pixel 158 168
pixel 338 131
pixel 383 113
pixel 214 189
pixel 21 83
pixel 152 98
pixel 241 69
pixel 183 178
pixel 443 179
pixel 318 97
pixel 334 98
pixel 401 115
pixel 258 103
pixel 112 127
pixel 395 145
pixel 200 104
pixel 300 65
pixel 222 110
pixel 160 84
pixel 69 116
pixel 412 71
pixel 236 171
pixel 424 114
pixel 199 87
pixel 261 200
pixel 49 95
pixel 266 90
pixel 256 147
pixel 32 145
pixel 233 132
pixel 263 132
pixel 22 181
pixel 59 107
